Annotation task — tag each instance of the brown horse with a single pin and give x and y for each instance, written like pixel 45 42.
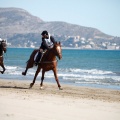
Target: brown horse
pixel 2 49
pixel 48 62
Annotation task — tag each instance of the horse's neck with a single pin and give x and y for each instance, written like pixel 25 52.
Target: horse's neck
pixel 49 56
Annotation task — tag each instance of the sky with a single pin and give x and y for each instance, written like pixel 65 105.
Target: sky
pixel 101 14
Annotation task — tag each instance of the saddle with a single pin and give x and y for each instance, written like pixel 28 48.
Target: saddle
pixel 41 55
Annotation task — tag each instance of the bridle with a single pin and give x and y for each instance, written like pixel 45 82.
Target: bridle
pixel 57 53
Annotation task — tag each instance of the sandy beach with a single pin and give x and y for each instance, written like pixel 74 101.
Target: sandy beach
pixel 18 102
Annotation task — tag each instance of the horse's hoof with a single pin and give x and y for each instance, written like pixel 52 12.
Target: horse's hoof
pixel 31 85
pixel 23 73
pixel 41 87
pixel 60 88
pixel 2 72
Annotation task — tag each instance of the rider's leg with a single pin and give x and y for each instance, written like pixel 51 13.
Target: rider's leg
pixel 38 58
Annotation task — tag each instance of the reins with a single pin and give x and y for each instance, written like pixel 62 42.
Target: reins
pixel 49 61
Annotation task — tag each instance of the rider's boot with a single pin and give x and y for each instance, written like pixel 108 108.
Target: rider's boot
pixel 37 58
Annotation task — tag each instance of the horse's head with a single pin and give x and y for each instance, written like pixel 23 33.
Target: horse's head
pixel 58 50
pixel 4 45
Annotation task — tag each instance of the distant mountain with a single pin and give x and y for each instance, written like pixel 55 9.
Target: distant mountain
pixel 22 29
pixel 13 20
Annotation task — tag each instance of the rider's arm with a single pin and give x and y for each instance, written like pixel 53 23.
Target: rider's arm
pixel 52 39
pixel 45 44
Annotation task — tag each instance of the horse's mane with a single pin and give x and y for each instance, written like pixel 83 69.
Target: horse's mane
pixel 47 53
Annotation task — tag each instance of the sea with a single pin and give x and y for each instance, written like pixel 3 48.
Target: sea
pixel 89 68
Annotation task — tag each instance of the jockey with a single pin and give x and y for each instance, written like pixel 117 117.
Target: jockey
pixel 47 43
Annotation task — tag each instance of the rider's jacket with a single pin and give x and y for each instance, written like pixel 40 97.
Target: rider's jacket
pixel 47 43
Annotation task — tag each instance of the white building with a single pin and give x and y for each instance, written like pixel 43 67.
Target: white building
pixel 110 47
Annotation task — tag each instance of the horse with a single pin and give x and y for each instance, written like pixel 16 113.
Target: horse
pixel 48 62
pixel 3 49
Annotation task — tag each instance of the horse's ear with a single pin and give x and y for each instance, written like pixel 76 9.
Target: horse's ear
pixel 59 42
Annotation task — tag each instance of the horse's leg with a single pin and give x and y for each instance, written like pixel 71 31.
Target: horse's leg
pixel 38 70
pixel 56 78
pixel 3 68
pixel 30 62
pixel 42 78
pixel 24 73
pixel 27 67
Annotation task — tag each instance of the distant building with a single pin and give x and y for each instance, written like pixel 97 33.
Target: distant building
pixel 104 44
pixel 110 47
pixel 117 47
pixel 82 38
pixel 76 45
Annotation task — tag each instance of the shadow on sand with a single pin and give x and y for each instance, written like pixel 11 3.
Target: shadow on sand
pixel 15 87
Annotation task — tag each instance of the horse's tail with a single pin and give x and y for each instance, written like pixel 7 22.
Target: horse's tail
pixel 27 61
pixel 30 62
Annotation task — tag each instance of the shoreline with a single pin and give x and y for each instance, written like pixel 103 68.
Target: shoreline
pixel 69 48
pixel 19 102
pixel 93 93
pixel 109 87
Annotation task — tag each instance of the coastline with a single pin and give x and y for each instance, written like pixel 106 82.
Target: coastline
pixel 70 48
pixel 19 102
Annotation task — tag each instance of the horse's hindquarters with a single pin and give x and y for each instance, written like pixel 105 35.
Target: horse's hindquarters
pixel 30 62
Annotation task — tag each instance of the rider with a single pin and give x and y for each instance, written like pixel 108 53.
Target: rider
pixel 47 43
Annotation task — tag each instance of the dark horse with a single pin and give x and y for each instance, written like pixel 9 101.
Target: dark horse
pixel 2 49
pixel 48 62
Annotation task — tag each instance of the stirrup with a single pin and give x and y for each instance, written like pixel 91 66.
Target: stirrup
pixel 35 63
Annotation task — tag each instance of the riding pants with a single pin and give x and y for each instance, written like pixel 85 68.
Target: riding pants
pixel 38 57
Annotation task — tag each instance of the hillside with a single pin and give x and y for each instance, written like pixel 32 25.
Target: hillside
pixel 22 29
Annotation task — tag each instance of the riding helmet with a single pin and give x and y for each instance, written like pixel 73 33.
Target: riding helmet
pixel 44 32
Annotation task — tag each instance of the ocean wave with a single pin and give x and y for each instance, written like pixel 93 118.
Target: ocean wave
pixel 85 77
pixel 84 71
pixel 71 75
pixel 70 71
